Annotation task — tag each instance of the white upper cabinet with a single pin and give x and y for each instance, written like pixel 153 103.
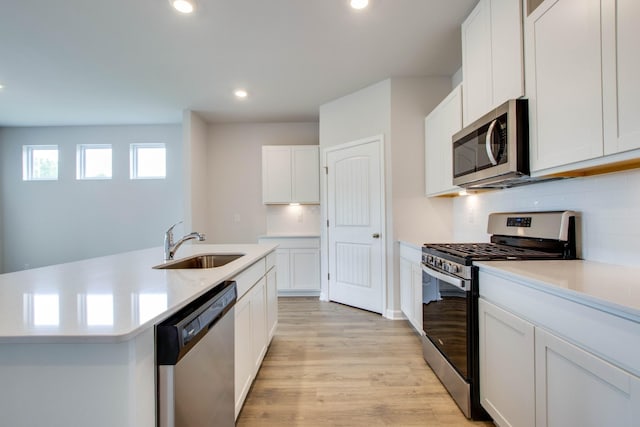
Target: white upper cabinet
pixel 564 82
pixel 290 174
pixel 492 58
pixel 621 71
pixel 582 83
pixel 439 127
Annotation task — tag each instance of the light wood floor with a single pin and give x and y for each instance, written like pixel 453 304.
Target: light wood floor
pixel 333 365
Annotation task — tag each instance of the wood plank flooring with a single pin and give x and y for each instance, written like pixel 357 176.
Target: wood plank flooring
pixel 333 365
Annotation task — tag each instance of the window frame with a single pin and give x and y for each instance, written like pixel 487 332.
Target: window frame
pixel 81 161
pixel 133 159
pixel 27 161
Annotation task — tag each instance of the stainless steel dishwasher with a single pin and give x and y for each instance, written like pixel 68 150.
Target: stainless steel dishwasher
pixel 195 360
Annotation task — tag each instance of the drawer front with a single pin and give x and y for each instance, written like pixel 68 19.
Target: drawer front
pixel 271 260
pixel 250 276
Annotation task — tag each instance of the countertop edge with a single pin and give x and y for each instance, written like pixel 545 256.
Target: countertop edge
pixel 600 304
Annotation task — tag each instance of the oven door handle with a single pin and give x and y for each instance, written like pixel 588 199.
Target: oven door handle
pixel 454 281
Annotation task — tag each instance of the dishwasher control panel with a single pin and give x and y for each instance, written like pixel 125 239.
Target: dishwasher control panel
pixel 176 335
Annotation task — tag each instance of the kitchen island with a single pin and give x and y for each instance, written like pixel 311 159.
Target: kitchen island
pixel 77 339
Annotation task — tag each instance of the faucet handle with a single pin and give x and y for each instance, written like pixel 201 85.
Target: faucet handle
pixel 170 230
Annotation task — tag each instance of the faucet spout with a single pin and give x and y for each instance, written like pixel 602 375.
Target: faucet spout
pixel 170 247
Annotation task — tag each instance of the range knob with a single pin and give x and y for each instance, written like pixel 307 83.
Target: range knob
pixel 454 268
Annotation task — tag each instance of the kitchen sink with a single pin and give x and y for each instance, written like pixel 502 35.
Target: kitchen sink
pixel 200 261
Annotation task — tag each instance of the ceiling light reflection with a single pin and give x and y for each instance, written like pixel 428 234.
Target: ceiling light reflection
pixel 183 6
pixel 359 4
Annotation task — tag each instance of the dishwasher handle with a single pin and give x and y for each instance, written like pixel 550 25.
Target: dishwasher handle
pixel 178 334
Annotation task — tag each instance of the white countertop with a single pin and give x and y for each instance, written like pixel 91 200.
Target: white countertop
pixel 108 299
pixel 413 245
pixel 611 288
pixel 290 236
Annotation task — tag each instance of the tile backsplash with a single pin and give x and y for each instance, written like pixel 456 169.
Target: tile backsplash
pixel 608 208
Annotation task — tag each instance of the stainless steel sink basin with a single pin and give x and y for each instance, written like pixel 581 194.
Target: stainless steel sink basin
pixel 201 261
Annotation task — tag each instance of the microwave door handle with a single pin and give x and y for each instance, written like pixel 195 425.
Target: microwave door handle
pixel 487 143
pixel 454 281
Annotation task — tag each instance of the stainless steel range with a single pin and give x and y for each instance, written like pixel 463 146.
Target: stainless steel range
pixel 450 292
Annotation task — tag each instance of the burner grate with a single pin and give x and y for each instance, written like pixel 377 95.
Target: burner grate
pixel 490 251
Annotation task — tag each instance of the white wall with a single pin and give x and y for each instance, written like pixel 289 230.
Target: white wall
pixel 194 169
pixel 235 213
pixel 608 205
pixel 46 223
pixel 416 218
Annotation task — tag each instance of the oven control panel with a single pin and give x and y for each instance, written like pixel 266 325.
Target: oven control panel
pixel 450 267
pixel 519 221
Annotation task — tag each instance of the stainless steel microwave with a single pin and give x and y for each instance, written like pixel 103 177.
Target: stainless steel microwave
pixel 493 152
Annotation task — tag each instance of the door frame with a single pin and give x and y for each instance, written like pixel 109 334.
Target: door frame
pixel 324 229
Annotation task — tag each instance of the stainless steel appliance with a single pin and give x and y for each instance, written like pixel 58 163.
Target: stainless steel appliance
pixel 493 152
pixel 451 289
pixel 195 358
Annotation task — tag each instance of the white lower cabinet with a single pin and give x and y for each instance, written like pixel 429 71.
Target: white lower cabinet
pixel 507 382
pixel 258 323
pixel 256 316
pixel 243 360
pixel 298 265
pixel 530 376
pixel 272 302
pixel 411 285
pixel 576 388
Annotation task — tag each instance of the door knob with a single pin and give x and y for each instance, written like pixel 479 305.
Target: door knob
pixel 376 235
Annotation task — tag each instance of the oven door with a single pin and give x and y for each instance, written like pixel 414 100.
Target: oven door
pixel 446 313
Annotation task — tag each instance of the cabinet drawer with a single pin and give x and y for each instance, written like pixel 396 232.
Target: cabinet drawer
pixel 249 277
pixel 271 260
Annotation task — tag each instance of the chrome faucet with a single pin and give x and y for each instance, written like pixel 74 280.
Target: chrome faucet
pixel 170 247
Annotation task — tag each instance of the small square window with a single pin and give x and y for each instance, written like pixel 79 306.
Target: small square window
pixel 148 161
pixel 40 162
pixel 93 161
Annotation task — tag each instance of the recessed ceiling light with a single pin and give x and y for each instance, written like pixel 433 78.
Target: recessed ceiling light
pixel 1 87
pixel 240 93
pixel 183 6
pixel 359 4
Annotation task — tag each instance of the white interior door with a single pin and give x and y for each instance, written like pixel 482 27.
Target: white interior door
pixel 355 210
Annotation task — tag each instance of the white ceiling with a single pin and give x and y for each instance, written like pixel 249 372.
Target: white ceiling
pixel 81 62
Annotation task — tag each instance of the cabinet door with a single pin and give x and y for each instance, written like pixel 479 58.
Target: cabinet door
pixel 276 174
pixel 564 82
pixel 621 68
pixel 243 355
pixel 507 60
pixel 476 62
pixel 507 383
pixel 306 174
pixel 406 289
pixel 258 324
pixel 576 388
pixel 272 303
pixel 305 269
pixel 416 273
pixel 440 125
pixel 284 269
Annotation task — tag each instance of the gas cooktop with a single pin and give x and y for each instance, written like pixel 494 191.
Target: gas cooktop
pixel 489 251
